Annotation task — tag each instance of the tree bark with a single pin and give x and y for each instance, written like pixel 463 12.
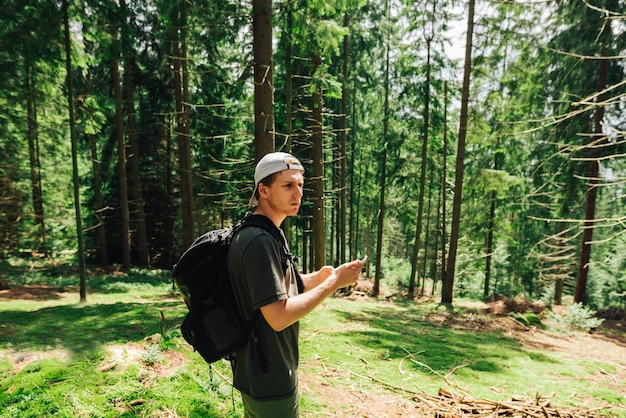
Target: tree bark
pixel 580 293
pixel 344 141
pixel 448 282
pixel 74 139
pixel 288 98
pixel 317 142
pixel 489 242
pixel 383 178
pixel 101 250
pixel 133 157
pixel 121 158
pixel 263 78
pixel 444 186
pixel 34 156
pixel 181 92
pixel 420 210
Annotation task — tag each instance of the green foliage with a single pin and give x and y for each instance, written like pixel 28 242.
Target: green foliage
pixel 528 319
pixel 527 123
pixel 152 355
pixel 578 317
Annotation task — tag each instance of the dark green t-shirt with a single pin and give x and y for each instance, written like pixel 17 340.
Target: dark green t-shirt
pixel 266 368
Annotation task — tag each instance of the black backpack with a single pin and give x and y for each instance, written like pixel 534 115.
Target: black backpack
pixel 214 325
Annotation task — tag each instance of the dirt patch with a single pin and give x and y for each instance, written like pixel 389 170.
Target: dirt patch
pixel 162 364
pixel 35 292
pixel 21 360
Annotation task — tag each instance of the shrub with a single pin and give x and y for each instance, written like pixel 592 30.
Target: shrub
pixel 578 317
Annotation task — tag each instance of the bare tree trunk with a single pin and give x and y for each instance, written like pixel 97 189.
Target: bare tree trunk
pixel 317 142
pixel 169 196
pixel 437 232
pixel 97 188
pixel 121 159
pixel 489 243
pixel 427 237
pixel 98 208
pixel 352 240
pixel 343 147
pixel 181 91
pixel 263 78
pixel 420 210
pixel 444 187
pixel 448 282
pixel 288 98
pixel 383 180
pixel 133 158
pixel 74 139
pixel 580 293
pixel 135 174
pixel 35 162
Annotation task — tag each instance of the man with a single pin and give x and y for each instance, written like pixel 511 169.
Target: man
pixel 269 291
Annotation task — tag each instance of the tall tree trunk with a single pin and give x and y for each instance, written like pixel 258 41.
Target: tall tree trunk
pixel 352 244
pixel 34 156
pixel 343 147
pixel 444 179
pixel 74 139
pixel 101 251
pixel 489 242
pixel 135 173
pixel 98 207
pixel 491 225
pixel 288 97
pixel 317 142
pixel 133 158
pixel 448 282
pixel 181 92
pixel 437 232
pixel 170 235
pixel 263 78
pixel 580 293
pixel 427 237
pixel 383 176
pixel 420 210
pixel 121 158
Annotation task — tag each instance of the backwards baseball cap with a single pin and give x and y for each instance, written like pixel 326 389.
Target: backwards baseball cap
pixel 274 162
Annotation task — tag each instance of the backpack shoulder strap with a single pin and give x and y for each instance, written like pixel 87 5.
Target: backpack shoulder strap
pixel 265 223
pixel 262 222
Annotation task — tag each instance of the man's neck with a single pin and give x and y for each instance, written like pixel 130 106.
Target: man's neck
pixel 276 219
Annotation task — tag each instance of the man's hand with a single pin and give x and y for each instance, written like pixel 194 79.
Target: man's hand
pixel 347 273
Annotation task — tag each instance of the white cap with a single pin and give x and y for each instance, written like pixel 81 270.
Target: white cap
pixel 274 162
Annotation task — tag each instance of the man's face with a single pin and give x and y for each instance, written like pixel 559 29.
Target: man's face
pixel 284 196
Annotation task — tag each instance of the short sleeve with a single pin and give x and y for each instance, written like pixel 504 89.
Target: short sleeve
pixel 263 271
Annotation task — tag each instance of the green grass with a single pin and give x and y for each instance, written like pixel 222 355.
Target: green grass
pixel 55 355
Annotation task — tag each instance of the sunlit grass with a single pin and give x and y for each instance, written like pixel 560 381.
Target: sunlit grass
pixel 56 355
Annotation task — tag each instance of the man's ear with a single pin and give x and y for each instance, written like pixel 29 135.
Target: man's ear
pixel 263 190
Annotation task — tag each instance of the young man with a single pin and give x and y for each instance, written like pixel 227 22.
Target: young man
pixel 269 290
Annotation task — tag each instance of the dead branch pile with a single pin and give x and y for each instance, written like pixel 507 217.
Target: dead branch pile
pixel 501 305
pixel 451 405
pixel 613 313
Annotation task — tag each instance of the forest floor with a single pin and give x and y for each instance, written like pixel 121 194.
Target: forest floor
pixel 609 340
pixel 390 401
